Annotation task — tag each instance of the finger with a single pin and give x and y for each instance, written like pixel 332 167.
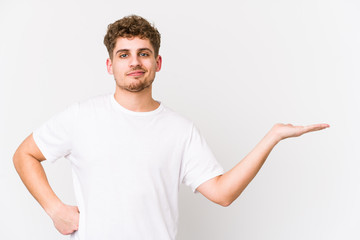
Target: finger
pixel 316 127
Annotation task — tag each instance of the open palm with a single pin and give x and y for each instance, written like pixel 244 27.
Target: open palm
pixel 289 130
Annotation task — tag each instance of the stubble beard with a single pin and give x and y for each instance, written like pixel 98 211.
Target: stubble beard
pixel 136 86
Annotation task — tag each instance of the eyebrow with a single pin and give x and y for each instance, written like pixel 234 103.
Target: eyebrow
pixel 127 50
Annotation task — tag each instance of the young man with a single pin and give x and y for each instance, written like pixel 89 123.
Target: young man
pixel 129 152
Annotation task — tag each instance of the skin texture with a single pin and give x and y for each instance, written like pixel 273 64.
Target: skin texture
pixel 134 67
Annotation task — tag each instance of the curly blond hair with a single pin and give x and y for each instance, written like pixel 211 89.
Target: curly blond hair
pixel 131 26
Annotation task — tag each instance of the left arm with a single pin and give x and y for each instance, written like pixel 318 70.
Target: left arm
pixel 224 189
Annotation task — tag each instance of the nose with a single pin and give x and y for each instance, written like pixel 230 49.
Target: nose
pixel 134 61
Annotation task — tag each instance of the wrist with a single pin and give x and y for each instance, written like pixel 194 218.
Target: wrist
pixel 53 207
pixel 274 134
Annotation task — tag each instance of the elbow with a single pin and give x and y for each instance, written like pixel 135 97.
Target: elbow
pixel 226 202
pixel 16 159
pixel 227 199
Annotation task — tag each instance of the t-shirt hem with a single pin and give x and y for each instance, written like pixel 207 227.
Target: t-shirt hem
pixel 42 148
pixel 205 178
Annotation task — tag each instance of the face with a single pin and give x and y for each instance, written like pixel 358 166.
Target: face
pixel 133 64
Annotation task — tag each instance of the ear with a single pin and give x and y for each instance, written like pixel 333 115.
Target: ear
pixel 109 66
pixel 158 63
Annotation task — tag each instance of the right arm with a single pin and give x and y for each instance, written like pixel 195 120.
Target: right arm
pixel 27 161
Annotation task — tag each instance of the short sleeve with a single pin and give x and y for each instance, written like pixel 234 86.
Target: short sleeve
pixel 54 137
pixel 199 163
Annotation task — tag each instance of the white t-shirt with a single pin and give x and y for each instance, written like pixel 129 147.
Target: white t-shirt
pixel 127 166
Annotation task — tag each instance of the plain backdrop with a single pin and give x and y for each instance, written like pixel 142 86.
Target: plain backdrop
pixel 233 67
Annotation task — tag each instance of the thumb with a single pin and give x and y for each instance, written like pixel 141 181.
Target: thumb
pixel 75 208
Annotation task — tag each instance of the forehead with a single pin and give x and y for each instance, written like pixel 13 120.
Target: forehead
pixel 132 43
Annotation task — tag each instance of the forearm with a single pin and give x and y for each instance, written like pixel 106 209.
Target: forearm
pixel 231 184
pixel 224 189
pixel 34 178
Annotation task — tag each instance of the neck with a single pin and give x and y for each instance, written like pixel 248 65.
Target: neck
pixel 136 101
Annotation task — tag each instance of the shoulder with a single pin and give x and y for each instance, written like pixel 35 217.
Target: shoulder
pixel 176 118
pixel 92 104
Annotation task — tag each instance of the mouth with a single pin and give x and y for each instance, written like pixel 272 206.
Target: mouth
pixel 136 73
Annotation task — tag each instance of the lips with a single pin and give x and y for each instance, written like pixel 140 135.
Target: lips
pixel 136 73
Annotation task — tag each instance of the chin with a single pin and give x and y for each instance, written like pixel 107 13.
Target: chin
pixel 137 87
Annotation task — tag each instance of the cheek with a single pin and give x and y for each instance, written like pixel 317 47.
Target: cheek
pixel 152 66
pixel 118 69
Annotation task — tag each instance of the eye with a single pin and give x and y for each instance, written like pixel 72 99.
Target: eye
pixel 143 54
pixel 123 55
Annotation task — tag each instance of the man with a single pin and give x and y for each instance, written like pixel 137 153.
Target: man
pixel 129 152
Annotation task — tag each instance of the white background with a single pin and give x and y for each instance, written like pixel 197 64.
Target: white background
pixel 235 68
